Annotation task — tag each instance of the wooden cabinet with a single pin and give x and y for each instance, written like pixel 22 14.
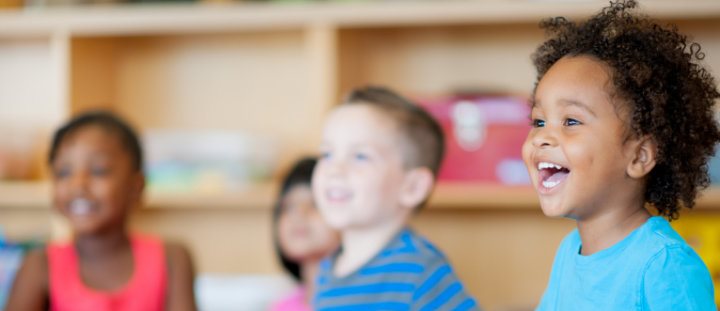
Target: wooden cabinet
pixel 274 70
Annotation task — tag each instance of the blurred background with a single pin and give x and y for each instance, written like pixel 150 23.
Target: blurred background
pixel 227 94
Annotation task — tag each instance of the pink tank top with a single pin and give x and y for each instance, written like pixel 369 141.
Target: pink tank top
pixel 145 291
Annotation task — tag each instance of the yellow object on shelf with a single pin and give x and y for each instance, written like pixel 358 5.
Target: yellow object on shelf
pixel 10 4
pixel 702 232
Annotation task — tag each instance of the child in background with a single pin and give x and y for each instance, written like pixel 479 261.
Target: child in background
pixel 302 238
pixel 97 170
pixel 380 157
pixel 623 120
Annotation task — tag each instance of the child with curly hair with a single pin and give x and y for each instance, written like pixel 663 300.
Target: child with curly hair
pixel 622 117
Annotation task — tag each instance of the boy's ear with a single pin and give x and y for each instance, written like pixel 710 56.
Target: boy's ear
pixel 644 158
pixel 417 186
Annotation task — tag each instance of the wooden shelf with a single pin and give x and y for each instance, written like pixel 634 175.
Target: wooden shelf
pixel 709 199
pixel 25 194
pixel 483 196
pixel 447 196
pixel 36 195
pixel 167 19
pixel 260 196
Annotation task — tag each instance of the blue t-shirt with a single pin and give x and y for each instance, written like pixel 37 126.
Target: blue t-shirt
pixel 651 269
pixel 408 274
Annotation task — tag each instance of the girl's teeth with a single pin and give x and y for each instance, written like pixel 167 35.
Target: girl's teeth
pixel 544 165
pixel 80 207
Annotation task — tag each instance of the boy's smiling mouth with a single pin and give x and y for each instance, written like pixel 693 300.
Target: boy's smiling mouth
pixel 551 175
pixel 338 195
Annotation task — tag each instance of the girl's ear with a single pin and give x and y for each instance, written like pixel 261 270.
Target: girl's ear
pixel 138 186
pixel 644 158
pixel 417 186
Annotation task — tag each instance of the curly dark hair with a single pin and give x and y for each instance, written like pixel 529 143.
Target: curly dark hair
pixel 669 95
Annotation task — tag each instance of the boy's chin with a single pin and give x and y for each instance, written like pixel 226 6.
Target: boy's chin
pixel 338 222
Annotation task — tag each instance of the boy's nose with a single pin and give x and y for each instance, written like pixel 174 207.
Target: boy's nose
pixel 336 168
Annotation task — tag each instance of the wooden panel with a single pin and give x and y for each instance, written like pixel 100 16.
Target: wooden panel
pixel 221 240
pixel 706 33
pixel 32 99
pixel 259 83
pixel 27 83
pixel 504 258
pixel 93 74
pixel 431 61
pixel 26 224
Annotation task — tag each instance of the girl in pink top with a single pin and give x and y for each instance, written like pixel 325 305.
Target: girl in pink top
pixel 96 163
pixel 302 238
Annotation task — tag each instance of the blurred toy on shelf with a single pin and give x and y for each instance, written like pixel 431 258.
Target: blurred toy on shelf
pixel 484 137
pixel 252 291
pixel 206 161
pixel 11 4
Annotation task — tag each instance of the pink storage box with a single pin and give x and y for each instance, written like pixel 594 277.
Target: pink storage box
pixel 484 138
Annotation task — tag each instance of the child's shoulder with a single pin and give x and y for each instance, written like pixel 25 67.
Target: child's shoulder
pixel 410 246
pixel 176 253
pixel 659 247
pixel 660 236
pixel 672 266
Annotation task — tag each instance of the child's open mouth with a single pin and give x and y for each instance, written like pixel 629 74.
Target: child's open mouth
pixel 82 207
pixel 551 174
pixel 338 195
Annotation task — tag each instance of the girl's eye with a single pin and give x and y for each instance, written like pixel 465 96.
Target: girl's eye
pixel 571 122
pixel 537 123
pixel 99 171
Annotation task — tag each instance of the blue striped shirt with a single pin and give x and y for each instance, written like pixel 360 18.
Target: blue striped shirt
pixel 408 274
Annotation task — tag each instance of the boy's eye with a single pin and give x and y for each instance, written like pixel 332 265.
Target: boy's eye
pixel 571 122
pixel 537 123
pixel 324 155
pixel 361 157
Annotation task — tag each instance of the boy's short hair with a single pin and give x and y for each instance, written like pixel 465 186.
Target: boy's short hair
pixel 107 121
pixel 422 135
pixel 656 75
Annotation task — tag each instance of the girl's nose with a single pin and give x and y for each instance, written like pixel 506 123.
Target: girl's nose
pixel 80 183
pixel 544 137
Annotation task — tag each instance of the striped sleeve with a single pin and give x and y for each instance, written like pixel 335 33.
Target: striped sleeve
pixel 440 289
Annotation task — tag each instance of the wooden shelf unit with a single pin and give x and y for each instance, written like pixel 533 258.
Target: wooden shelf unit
pixel 273 70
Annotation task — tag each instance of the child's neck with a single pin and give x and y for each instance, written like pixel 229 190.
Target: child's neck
pixel 105 259
pixel 102 245
pixel 606 229
pixel 362 244
pixel 309 270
